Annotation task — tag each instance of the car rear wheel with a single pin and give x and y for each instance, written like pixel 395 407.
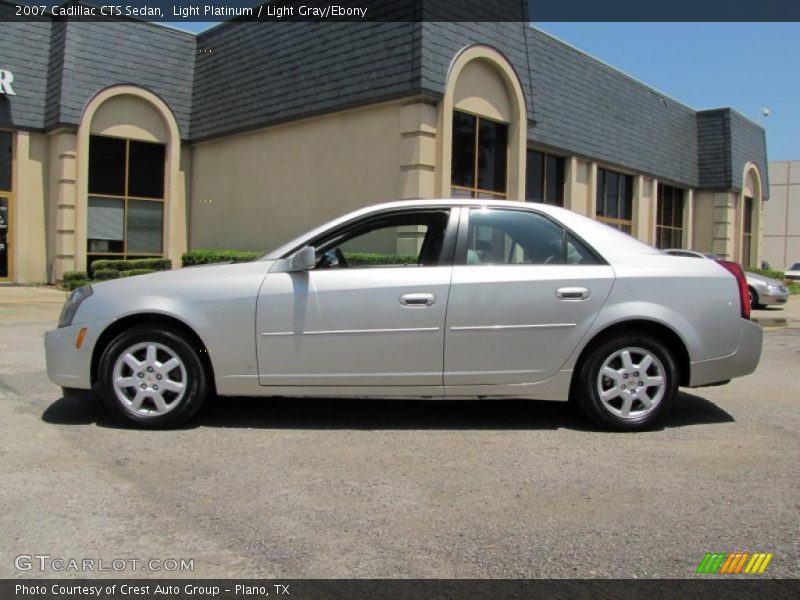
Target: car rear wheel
pixel 152 377
pixel 627 383
pixel 754 299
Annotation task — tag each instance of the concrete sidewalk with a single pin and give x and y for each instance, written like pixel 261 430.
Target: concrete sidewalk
pixel 41 303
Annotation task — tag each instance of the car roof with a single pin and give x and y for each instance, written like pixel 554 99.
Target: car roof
pixel 611 243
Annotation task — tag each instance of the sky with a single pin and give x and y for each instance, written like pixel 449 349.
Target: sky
pixel 747 66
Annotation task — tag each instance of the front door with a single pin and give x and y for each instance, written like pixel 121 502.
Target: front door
pixel 524 295
pixel 5 237
pixel 371 313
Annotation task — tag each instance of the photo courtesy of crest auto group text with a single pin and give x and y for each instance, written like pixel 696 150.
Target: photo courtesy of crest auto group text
pixel 398 299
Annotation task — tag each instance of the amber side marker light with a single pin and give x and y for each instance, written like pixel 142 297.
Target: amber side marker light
pixel 80 338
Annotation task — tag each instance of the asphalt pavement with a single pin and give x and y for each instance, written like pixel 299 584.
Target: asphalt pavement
pixel 338 489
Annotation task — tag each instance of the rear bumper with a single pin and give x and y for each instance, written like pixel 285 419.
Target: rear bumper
pixel 742 361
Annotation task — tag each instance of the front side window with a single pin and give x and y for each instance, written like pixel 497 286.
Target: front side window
pixel 410 239
pixel 479 157
pixel 669 217
pixel 126 198
pixel 615 199
pixel 513 237
pixel 544 181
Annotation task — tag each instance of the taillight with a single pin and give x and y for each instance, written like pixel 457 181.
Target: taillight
pixel 744 293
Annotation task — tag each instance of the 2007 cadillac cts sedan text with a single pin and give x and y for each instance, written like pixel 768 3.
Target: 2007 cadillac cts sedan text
pixel 422 299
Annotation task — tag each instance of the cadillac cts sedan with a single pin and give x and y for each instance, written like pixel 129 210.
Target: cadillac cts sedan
pixel 418 299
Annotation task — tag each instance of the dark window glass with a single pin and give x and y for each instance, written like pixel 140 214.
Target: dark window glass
pixel 146 170
pixel 544 178
pixel 669 217
pixel 748 215
pixel 615 199
pixel 534 177
pixel 484 175
pixel 555 181
pixel 6 141
pixel 492 155
pixel 106 166
pixel 464 130
pixel 513 237
pixel 611 209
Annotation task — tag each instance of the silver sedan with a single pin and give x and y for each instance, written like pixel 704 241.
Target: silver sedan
pixel 422 299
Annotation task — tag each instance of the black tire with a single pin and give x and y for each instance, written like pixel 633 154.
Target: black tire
pixel 754 298
pixel 586 395
pixel 191 372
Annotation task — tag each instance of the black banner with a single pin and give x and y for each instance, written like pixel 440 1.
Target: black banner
pixel 403 10
pixel 715 586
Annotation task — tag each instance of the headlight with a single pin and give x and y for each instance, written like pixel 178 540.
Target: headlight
pixel 774 289
pixel 74 300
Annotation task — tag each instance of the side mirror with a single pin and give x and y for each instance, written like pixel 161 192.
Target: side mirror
pixel 303 260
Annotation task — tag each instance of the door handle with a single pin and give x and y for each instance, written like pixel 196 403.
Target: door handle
pixel 572 293
pixel 418 299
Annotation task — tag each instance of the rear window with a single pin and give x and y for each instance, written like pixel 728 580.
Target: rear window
pixel 794 267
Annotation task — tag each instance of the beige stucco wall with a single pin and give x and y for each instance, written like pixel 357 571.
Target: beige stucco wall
pixel 781 229
pixel 29 239
pixel 580 180
pixel 258 190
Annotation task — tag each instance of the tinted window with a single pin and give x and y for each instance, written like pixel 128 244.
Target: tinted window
pixel 463 166
pixel 6 141
pixel 492 153
pixel 399 240
pixel 146 170
pixel 544 178
pixel 106 166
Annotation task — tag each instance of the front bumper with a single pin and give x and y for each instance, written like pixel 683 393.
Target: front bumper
pixel 742 361
pixel 779 298
pixel 67 365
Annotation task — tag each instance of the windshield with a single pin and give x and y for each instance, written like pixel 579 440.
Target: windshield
pixel 795 267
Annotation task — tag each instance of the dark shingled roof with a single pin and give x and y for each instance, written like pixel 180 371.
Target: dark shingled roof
pixel 240 76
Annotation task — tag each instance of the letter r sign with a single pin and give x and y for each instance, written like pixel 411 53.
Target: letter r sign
pixel 6 79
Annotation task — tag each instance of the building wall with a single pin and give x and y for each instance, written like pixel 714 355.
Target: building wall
pixel 781 231
pixel 258 190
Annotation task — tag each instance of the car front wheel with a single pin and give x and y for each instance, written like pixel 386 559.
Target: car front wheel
pixel 152 377
pixel 627 383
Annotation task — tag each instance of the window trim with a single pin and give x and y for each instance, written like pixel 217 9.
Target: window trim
pixel 545 154
pixel 460 258
pixel 615 222
pixel 125 255
pixel 448 244
pixel 475 189
pixel 671 228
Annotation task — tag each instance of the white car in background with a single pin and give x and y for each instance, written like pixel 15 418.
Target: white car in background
pixel 793 272
pixel 422 299
pixel 763 291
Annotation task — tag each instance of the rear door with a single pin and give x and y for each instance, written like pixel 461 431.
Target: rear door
pixel 524 292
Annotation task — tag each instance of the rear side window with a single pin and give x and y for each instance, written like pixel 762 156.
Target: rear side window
pixel 513 237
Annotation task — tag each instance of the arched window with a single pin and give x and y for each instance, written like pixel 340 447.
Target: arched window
pixel 126 199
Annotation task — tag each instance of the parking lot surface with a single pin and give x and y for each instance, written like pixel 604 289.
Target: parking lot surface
pixel 332 488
